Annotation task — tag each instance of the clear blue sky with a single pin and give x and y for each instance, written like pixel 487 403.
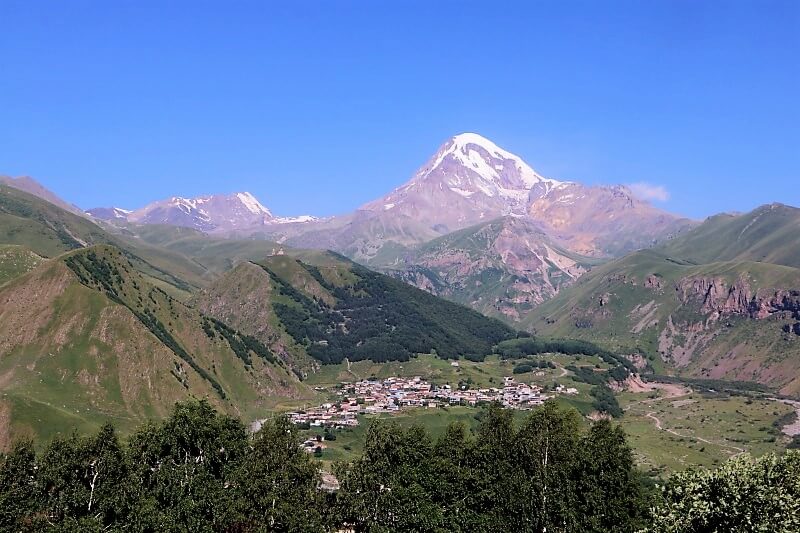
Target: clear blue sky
pixel 318 107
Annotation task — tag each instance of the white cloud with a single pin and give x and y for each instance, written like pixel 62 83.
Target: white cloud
pixel 648 191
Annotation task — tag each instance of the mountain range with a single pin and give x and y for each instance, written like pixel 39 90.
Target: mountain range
pixel 407 234
pixel 477 180
pixel 96 326
pixel 222 298
pixel 213 213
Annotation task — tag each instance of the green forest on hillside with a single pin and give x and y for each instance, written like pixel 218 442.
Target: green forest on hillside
pixel 382 319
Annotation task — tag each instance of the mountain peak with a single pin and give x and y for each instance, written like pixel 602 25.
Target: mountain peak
pixel 463 140
pixel 492 164
pixel 252 204
pixel 468 180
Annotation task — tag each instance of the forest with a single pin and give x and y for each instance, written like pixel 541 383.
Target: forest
pixel 383 319
pixel 199 470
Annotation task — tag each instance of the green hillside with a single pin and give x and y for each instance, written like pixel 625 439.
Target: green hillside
pixel 733 318
pixel 16 260
pixel 768 234
pixel 86 338
pixel 48 231
pixel 214 254
pixel 331 309
pixel 43 227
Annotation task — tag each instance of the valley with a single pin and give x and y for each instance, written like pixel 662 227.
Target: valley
pixel 670 426
pixel 114 314
pixel 377 267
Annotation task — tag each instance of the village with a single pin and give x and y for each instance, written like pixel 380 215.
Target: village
pixel 373 396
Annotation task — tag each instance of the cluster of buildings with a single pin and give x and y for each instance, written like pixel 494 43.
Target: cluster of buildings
pixel 392 394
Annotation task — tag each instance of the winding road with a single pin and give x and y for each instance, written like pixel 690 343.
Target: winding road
pixel 673 394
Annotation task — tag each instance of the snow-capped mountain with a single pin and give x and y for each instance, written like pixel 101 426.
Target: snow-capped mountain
pixel 221 213
pixel 205 213
pixel 468 180
pixel 109 213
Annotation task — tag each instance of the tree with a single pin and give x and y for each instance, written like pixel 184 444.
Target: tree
pixel 548 448
pixel 457 490
pixel 388 488
pixel 20 495
pixel 609 492
pixel 605 401
pixel 181 467
pixel 743 495
pixel 276 486
pixel 85 480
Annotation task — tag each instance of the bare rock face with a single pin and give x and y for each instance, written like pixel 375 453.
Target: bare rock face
pixel 719 298
pixel 787 301
pixel 654 282
pixel 792 328
pixel 499 267
pixel 602 220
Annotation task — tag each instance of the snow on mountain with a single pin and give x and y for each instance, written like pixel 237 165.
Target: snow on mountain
pixel 252 204
pixel 489 162
pixel 467 180
pixel 216 212
pixel 294 220
pixel 109 213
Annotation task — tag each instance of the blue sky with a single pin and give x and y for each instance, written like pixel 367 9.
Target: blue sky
pixel 318 107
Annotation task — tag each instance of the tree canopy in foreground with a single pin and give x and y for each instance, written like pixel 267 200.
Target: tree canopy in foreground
pixel 200 470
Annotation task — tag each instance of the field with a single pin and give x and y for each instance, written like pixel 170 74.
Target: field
pixel 671 428
pixel 675 432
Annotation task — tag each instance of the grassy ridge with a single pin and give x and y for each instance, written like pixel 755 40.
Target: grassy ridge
pixel 630 303
pixel 87 339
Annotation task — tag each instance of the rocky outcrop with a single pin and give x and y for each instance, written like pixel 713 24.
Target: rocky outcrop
pixel 654 282
pixel 787 301
pixel 718 298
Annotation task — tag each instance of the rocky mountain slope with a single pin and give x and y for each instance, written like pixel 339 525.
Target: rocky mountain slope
pixel 504 267
pixel 721 301
pixel 603 221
